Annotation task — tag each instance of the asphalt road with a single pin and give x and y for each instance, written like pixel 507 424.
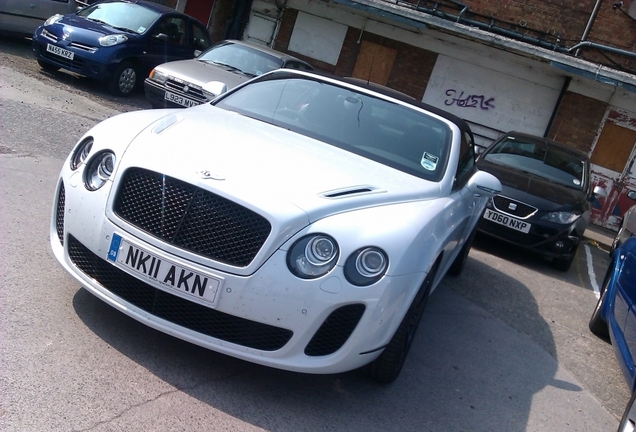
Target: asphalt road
pixel 505 346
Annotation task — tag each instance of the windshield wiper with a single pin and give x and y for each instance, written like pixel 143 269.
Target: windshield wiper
pixel 225 65
pixel 123 29
pixel 97 21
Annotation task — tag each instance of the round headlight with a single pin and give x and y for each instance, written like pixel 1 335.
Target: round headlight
pixel 320 250
pixel 366 266
pixel 99 170
pixel 312 256
pixel 370 262
pixel 81 152
pixel 110 40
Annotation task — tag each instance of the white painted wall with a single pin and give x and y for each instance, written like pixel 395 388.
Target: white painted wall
pixel 485 96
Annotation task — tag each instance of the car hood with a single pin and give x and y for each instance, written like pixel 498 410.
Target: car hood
pixel 540 193
pixel 199 72
pixel 289 178
pixel 81 30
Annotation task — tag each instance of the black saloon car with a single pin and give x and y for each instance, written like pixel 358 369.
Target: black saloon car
pixel 545 201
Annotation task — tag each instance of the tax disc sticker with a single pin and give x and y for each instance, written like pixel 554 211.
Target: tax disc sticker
pixel 429 161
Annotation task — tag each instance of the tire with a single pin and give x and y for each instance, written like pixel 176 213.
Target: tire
pixel 458 264
pixel 597 324
pixel 564 264
pixel 124 80
pixel 629 416
pixel 48 67
pixel 387 366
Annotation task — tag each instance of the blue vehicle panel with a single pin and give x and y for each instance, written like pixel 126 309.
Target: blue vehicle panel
pixel 615 316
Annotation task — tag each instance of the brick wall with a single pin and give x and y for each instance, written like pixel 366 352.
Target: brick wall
pixel 555 22
pixel 577 121
pixel 411 70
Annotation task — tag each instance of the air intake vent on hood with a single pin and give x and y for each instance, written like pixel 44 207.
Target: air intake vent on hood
pixel 351 191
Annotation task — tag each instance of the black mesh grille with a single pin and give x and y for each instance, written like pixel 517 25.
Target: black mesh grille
pixel 59 213
pixel 190 217
pixel 335 331
pixel 175 309
pixel 512 207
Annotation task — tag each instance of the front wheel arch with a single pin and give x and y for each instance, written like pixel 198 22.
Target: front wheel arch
pixel 125 79
pixel 387 367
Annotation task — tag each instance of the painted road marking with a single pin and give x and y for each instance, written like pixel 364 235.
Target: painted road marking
pixel 590 272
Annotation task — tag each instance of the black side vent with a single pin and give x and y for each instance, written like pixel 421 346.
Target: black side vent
pixel 335 331
pixel 59 213
pixel 356 190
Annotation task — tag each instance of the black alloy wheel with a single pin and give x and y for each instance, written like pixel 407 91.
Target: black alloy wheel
pixel 387 366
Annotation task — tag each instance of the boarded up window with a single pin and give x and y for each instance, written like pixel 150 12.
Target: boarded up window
pixel 613 147
pixel 374 63
pixel 318 38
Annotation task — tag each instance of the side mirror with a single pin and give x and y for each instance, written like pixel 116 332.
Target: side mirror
pixel 214 88
pixel 484 184
pixel 631 194
pixel 598 192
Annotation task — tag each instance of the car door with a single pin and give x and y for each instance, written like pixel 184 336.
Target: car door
pixel 463 212
pixel 626 291
pixel 168 41
pixel 198 37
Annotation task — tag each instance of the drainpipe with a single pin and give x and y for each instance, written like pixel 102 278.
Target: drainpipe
pixel 589 44
pixel 564 88
pixel 588 27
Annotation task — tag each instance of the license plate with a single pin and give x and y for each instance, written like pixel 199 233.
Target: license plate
pixel 508 221
pixel 179 100
pixel 162 271
pixel 60 51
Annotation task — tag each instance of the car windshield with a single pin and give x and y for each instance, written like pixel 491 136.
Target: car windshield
pixel 241 59
pixel 123 16
pixel 404 137
pixel 539 159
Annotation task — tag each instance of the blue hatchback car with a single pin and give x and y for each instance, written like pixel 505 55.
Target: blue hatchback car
pixel 118 41
pixel 615 317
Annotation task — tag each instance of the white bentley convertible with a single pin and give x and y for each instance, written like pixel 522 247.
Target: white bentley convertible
pixel 297 221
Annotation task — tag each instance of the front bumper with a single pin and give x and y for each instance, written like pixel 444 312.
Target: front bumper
pixel 542 239
pixel 84 62
pixel 172 94
pixel 270 317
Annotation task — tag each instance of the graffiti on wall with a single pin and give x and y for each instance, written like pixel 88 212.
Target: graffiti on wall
pixel 468 101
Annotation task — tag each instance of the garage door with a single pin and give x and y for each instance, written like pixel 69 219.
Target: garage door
pixel 493 102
